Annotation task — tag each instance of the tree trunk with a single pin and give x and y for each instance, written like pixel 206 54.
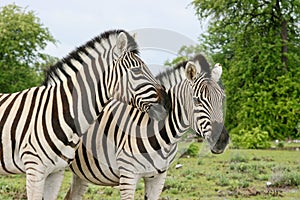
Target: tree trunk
pixel 284 48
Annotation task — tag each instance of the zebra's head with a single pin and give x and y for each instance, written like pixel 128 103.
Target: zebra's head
pixel 136 85
pixel 208 99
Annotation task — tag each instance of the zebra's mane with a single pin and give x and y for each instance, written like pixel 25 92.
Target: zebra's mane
pixel 177 73
pixel 53 71
pixel 170 71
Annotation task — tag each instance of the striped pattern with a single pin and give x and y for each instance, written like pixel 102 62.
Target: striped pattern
pixel 40 127
pixel 124 145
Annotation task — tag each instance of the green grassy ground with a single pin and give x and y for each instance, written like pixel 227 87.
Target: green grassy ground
pixel 236 174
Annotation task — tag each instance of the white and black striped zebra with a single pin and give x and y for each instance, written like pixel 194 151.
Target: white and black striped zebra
pixel 40 127
pixel 125 145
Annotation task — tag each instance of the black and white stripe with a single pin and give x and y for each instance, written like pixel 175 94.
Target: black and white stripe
pixel 40 127
pixel 124 145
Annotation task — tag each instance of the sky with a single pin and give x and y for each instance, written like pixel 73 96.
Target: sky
pixel 161 26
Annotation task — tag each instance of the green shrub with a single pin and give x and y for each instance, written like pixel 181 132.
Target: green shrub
pixel 238 157
pixel 223 180
pixel 108 191
pixel 286 179
pixel 243 184
pixel 263 177
pixel 280 144
pixel 193 150
pixel 251 139
pixel 200 162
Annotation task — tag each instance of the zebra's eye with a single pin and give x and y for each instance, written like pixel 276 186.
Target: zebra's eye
pixel 197 101
pixel 136 70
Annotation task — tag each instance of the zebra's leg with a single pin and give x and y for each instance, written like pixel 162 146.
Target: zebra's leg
pixel 128 183
pixel 154 186
pixel 52 185
pixel 77 189
pixel 35 181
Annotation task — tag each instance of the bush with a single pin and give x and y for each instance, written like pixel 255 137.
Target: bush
pixel 286 179
pixel 238 158
pixel 280 144
pixel 193 150
pixel 251 139
pixel 223 181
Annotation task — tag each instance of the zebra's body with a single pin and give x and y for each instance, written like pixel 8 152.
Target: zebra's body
pixel 40 127
pixel 125 145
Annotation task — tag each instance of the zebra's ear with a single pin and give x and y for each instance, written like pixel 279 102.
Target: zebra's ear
pixel 122 42
pixel 134 35
pixel 216 72
pixel 202 64
pixel 190 71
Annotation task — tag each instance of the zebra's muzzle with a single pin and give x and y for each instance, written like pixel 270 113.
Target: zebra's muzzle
pixel 220 142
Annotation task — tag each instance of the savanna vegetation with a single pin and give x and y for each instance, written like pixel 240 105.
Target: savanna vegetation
pixel 258 44
pixel 237 174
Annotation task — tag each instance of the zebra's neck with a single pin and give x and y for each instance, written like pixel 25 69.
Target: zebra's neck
pixel 85 75
pixel 172 76
pixel 180 118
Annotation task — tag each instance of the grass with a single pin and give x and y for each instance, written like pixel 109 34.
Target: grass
pixel 236 174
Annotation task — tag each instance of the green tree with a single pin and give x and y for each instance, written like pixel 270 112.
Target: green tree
pixel 258 44
pixel 185 53
pixel 22 37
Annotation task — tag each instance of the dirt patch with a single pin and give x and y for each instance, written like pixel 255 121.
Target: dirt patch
pixel 252 191
pixel 287 148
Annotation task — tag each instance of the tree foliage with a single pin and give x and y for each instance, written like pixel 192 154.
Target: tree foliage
pixel 188 52
pixel 258 43
pixel 22 37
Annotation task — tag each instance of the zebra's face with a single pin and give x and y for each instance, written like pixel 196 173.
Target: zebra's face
pixel 209 119
pixel 138 86
pixel 208 100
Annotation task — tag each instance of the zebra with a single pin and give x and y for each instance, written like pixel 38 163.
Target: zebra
pixel 124 145
pixel 41 127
